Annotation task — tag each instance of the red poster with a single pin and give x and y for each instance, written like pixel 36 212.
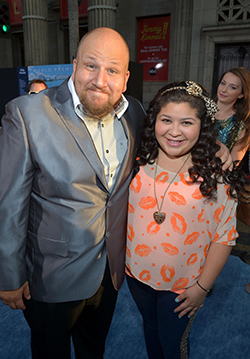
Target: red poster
pixel 153 47
pixel 64 9
pixel 15 12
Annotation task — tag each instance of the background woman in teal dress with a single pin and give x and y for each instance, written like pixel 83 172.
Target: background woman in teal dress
pixel 233 117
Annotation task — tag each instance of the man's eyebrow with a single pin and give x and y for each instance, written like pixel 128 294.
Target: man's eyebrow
pixel 108 63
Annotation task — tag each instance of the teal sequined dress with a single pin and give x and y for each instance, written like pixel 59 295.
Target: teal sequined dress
pixel 229 130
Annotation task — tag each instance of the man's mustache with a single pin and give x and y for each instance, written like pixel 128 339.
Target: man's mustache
pixel 94 88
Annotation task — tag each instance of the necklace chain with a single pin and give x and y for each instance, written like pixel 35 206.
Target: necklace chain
pixel 156 164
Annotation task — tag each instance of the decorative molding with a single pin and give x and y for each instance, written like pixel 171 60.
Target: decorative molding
pixel 34 17
pixel 233 11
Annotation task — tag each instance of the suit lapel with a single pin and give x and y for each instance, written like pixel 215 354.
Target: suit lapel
pixel 76 127
pixel 128 160
pixel 132 121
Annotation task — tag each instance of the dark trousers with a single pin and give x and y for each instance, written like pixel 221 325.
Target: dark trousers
pixel 86 321
pixel 165 334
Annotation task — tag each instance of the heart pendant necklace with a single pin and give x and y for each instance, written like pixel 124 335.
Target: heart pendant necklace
pixel 159 216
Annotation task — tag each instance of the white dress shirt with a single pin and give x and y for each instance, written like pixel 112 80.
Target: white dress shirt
pixel 108 135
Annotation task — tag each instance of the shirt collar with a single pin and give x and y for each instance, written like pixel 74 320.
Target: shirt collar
pixel 119 111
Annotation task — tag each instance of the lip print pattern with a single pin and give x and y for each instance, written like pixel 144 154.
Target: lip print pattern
pixel 169 249
pixel 229 219
pixel 130 208
pixel 209 234
pixel 171 272
pixel 162 177
pixel 231 234
pixel 217 213
pixel 216 237
pixel 180 283
pixel 128 252
pixel 200 216
pixel 192 259
pixel 197 194
pixel 191 238
pixel 182 178
pixel 183 224
pixel 142 250
pixel 147 202
pixel 130 232
pixel 129 268
pixel 135 185
pixel 206 250
pixel 153 228
pixel 177 198
pixel 145 275
pixel 156 253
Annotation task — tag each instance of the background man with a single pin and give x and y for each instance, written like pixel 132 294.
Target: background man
pixel 36 86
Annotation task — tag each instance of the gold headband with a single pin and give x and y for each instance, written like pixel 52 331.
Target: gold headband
pixel 195 90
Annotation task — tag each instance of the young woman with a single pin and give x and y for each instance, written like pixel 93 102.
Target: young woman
pixel 181 220
pixel 233 117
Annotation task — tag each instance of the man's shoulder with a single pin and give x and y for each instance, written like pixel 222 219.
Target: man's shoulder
pixel 135 105
pixel 52 94
pixel 58 93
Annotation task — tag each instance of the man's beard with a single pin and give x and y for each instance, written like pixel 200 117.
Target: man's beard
pixel 97 111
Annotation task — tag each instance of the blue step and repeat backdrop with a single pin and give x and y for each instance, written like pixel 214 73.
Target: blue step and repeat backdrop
pixel 14 81
pixel 52 75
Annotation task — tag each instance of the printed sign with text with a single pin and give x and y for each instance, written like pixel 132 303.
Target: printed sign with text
pixel 153 47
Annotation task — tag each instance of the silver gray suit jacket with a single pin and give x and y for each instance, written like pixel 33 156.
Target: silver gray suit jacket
pixel 58 220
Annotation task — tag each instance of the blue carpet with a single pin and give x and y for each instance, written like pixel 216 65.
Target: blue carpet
pixel 221 329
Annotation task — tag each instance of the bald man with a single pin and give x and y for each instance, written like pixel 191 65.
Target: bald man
pixel 63 194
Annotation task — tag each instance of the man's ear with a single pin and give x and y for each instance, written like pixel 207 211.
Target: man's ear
pixel 74 69
pixel 126 81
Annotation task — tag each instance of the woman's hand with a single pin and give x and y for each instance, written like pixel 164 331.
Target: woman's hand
pixel 193 297
pixel 192 300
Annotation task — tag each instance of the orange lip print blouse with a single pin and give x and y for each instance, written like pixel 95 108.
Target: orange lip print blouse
pixel 171 256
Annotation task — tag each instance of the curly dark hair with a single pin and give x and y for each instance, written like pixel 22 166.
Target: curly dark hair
pixel 207 168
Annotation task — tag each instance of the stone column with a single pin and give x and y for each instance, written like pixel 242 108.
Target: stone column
pixel 73 28
pixel 101 13
pixel 182 38
pixel 35 30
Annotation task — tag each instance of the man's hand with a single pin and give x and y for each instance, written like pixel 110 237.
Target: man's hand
pixel 14 298
pixel 224 156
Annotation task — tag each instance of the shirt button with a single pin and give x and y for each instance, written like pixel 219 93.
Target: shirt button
pixel 108 234
pixel 107 151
